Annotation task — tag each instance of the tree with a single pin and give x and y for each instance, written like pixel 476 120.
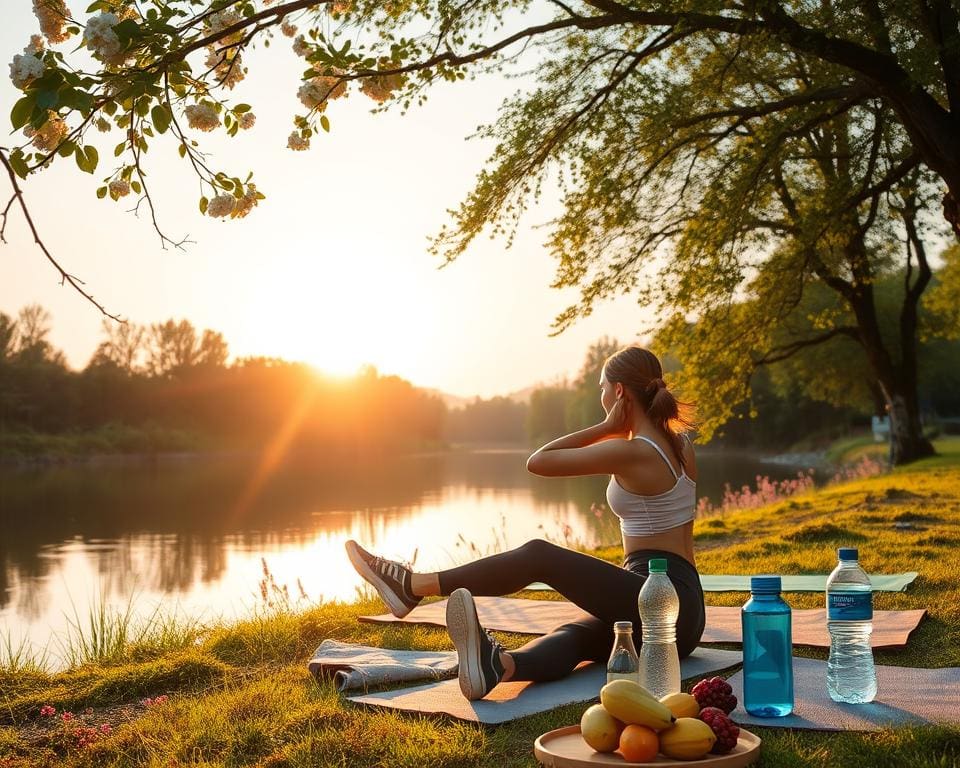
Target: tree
pixel 635 106
pixel 123 346
pixel 173 347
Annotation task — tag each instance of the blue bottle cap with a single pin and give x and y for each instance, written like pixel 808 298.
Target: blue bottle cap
pixel 765 585
pixel 848 553
pixel 658 565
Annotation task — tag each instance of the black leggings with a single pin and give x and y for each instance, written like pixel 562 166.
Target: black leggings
pixel 603 591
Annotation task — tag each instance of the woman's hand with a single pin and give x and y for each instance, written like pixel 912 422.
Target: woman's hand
pixel 617 421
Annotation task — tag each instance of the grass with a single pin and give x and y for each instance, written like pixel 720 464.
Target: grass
pixel 239 695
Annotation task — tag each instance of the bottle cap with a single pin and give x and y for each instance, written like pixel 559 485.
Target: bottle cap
pixel 765 585
pixel 658 565
pixel 848 553
pixel 623 626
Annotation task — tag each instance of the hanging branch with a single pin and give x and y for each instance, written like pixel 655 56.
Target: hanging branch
pixel 65 277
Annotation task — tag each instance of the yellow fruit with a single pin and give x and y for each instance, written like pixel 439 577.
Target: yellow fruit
pixel 688 739
pixel 630 703
pixel 600 729
pixel 681 704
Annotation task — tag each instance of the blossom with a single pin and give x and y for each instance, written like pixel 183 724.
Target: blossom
pixel 202 116
pixel 374 88
pixel 288 29
pixel 297 143
pixel 247 119
pixel 47 711
pixel 52 15
pixel 225 66
pixel 341 6
pixel 35 46
pixel 219 207
pixel 119 188
pixel 24 69
pixel 48 137
pixel 246 203
pixel 105 729
pixel 66 716
pixel 217 22
pixel 99 36
pixel 300 46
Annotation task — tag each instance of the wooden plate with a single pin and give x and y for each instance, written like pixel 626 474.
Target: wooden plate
pixel 565 748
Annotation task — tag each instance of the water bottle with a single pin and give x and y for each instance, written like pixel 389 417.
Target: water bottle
pixel 851 677
pixel 659 609
pixel 767 650
pixel 623 664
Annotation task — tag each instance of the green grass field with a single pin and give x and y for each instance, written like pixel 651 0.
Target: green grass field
pixel 240 695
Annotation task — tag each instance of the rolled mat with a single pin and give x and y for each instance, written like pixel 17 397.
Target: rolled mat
pixel 905 696
pixel 511 700
pixel 815 582
pixel 891 629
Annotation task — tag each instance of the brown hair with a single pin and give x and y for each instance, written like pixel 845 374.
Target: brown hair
pixel 639 370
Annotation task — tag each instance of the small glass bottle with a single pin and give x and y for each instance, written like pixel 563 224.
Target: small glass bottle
pixel 767 650
pixel 623 664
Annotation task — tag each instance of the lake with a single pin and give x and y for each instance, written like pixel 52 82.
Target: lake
pixel 191 534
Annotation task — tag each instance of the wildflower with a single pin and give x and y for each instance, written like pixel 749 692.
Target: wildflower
pixel 119 188
pixel 147 702
pixel 218 208
pixel 288 29
pixel 202 116
pixel 24 69
pixel 162 699
pixel 297 143
pixel 52 15
pixel 247 119
pixel 100 38
pixel 105 729
pixel 48 137
pixel 47 711
pixel 66 716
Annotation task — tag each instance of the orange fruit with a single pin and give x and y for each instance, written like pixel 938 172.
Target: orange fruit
pixel 639 744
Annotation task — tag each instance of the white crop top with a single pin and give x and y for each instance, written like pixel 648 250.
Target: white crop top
pixel 647 515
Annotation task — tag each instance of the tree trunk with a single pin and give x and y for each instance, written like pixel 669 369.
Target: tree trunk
pixel 907 442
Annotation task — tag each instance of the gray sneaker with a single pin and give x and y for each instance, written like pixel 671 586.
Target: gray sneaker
pixel 390 578
pixel 478 653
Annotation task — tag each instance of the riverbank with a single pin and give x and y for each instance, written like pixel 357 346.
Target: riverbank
pixel 240 694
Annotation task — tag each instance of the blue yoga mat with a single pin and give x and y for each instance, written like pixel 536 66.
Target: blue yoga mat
pixel 816 582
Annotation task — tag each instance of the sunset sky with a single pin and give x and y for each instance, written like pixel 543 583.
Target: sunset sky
pixel 332 268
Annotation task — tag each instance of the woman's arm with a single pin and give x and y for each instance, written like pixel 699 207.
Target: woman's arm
pixel 591 451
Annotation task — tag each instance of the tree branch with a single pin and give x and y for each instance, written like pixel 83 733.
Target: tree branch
pixel 65 277
pixel 777 354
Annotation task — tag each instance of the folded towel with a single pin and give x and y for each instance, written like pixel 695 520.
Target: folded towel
pixel 360 666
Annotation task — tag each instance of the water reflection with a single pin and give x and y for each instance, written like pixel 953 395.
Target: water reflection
pixel 184 533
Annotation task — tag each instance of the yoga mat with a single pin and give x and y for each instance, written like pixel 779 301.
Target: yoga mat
pixel 882 582
pixel 905 696
pixel 891 629
pixel 511 700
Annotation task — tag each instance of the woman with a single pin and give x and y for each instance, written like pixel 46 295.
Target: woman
pixel 652 490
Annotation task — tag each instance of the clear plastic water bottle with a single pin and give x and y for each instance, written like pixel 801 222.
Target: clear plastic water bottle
pixel 623 664
pixel 767 650
pixel 659 609
pixel 851 676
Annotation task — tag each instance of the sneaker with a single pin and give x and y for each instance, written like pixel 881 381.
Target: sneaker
pixel 390 578
pixel 478 653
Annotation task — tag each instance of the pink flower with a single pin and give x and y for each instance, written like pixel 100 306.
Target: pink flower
pixel 66 717
pixel 105 729
pixel 47 711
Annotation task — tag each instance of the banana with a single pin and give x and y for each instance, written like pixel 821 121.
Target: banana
pixel 630 703
pixel 681 704
pixel 688 739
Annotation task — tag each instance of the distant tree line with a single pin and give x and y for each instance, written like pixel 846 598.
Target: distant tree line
pixel 170 375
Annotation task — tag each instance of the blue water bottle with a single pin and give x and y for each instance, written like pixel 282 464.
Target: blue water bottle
pixel 767 650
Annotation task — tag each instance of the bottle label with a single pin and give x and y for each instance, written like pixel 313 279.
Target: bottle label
pixel 850 606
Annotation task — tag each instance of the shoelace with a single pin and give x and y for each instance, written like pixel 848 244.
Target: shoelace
pixel 390 568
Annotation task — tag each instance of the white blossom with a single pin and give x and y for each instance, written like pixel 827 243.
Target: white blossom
pixel 226 67
pixel 24 69
pixel 52 15
pixel 246 203
pixel 221 206
pixel 300 46
pixel 202 116
pixel 288 29
pixel 377 88
pixel 247 119
pixel 100 37
pixel 35 46
pixel 119 188
pixel 217 22
pixel 50 134
pixel 297 143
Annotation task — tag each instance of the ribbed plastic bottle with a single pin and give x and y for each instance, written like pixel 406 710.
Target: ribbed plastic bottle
pixel 659 609
pixel 767 650
pixel 851 676
pixel 624 663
